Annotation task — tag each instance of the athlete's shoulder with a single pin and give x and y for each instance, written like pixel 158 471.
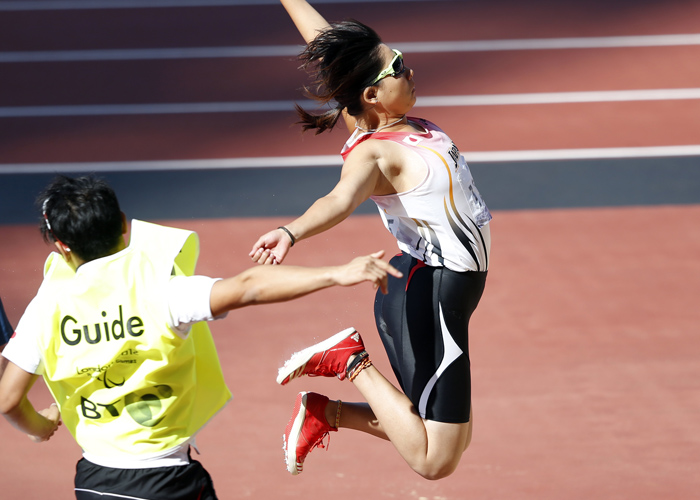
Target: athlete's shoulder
pixel 367 147
pixel 427 125
pixel 377 149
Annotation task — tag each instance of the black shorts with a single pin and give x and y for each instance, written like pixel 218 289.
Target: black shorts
pixel 182 482
pixel 424 324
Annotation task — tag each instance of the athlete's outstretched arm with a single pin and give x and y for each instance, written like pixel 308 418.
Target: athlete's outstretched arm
pixel 307 20
pixel 265 284
pixel 358 180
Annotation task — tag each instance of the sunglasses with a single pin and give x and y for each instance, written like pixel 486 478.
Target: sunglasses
pixel 395 67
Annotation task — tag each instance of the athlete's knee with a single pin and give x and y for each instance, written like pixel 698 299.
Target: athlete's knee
pixel 434 471
pixel 438 466
pixel 447 444
pixel 436 475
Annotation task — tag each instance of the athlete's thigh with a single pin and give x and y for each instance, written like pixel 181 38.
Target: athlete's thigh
pixel 390 316
pixel 407 323
pixel 439 304
pixel 447 441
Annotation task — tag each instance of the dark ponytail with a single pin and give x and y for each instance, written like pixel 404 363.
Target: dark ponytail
pixel 346 58
pixel 322 122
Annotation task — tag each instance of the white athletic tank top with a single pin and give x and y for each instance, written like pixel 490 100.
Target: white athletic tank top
pixel 443 221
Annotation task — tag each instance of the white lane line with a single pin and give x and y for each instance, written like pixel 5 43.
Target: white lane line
pixel 20 5
pixel 145 109
pixel 560 97
pixel 157 165
pixel 583 154
pixel 149 54
pixel 294 50
pixel 335 160
pixel 281 106
pixel 603 42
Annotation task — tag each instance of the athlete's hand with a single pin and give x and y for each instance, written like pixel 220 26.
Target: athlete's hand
pixel 53 421
pixel 271 248
pixel 368 268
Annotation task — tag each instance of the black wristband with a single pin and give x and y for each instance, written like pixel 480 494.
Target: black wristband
pixel 291 236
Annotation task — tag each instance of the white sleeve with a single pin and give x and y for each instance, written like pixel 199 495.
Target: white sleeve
pixel 23 347
pixel 189 301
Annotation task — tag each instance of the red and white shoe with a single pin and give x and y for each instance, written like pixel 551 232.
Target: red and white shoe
pixel 306 429
pixel 328 358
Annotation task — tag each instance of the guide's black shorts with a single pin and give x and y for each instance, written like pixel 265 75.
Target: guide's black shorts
pixel 182 482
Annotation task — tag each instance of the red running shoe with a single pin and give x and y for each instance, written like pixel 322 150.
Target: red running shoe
pixel 306 429
pixel 328 358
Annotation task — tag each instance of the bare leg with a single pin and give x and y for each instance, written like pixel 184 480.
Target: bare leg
pixel 432 449
pixel 356 416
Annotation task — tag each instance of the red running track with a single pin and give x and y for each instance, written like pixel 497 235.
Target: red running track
pixel 584 353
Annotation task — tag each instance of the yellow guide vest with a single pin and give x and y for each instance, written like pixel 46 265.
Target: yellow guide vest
pixel 124 381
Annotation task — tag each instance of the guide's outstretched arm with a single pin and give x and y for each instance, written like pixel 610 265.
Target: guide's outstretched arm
pixel 267 284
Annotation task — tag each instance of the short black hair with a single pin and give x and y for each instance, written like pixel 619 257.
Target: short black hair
pixel 83 213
